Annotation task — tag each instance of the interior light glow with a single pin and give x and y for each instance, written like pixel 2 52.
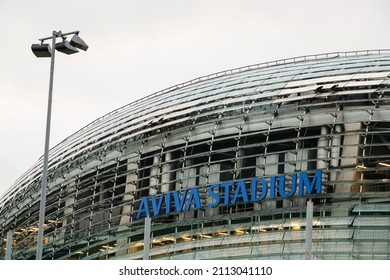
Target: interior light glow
pixel 361 166
pixel 186 238
pixel 296 227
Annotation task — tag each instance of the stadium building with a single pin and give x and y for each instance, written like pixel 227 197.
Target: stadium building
pixel 223 166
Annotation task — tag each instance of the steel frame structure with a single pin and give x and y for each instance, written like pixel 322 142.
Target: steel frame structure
pixel 328 112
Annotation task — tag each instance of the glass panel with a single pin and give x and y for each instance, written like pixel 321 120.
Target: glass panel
pixel 371 234
pixel 267 249
pixel 268 236
pixel 324 247
pixel 333 234
pixel 372 221
pixel 333 221
pixel 237 239
pixel 295 235
pixel 268 224
pixel 372 208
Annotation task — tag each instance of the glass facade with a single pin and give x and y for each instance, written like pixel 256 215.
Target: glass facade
pixel 328 112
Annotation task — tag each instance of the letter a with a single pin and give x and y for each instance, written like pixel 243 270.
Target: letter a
pixel 143 208
pixel 193 199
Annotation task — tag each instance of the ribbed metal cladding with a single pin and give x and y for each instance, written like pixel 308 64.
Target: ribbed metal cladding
pixel 328 112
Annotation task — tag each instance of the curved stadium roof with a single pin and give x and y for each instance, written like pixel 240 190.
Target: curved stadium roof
pixel 184 104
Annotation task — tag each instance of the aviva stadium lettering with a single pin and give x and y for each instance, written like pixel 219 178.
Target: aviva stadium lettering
pixel 229 193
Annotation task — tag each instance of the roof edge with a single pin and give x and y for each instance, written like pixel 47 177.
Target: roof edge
pixel 219 74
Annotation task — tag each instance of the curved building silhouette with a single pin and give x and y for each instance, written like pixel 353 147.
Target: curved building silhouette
pixel 223 166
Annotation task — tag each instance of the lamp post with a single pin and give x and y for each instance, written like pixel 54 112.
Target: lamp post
pixel 44 50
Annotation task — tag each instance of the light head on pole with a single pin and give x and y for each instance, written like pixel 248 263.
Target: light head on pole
pixel 77 42
pixel 66 48
pixel 41 50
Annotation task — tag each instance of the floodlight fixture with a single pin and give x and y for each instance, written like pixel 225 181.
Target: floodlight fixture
pixel 66 48
pixel 79 43
pixel 41 50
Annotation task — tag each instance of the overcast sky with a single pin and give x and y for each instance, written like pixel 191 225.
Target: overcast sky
pixel 141 47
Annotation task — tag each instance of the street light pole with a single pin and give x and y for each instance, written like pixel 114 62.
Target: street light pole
pixel 46 155
pixel 43 50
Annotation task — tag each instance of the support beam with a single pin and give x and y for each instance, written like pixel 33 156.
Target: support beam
pixel 147 228
pixel 309 230
pixel 8 253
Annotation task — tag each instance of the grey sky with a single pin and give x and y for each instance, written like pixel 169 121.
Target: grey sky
pixel 140 47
